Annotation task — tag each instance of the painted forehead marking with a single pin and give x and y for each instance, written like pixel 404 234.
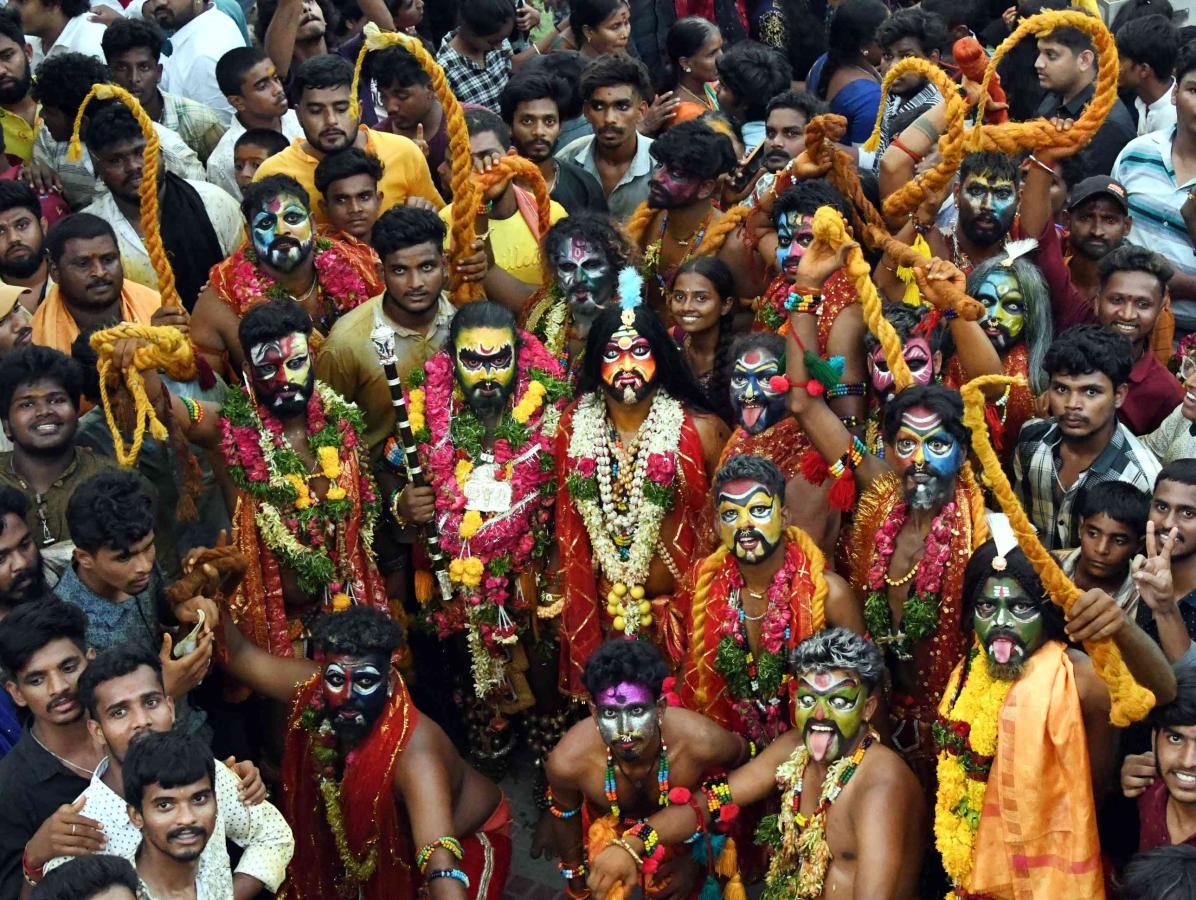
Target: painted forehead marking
pixel 921 421
pixel 741 491
pixel 264 352
pixel 578 249
pixel 1002 591
pixel 827 681
pixel 987 179
pixel 755 358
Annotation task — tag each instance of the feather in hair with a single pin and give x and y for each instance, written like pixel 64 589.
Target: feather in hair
pixel 1015 249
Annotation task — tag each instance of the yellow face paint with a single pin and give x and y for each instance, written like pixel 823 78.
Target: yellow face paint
pixel 750 520
pixel 485 359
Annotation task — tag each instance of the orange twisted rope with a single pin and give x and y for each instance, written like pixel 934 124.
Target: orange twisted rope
pixel 1131 701
pixel 466 195
pixel 518 167
pixel 151 230
pixel 712 242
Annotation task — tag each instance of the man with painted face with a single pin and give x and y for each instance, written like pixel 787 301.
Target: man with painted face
pixel 632 454
pixel 622 761
pixel 762 592
pixel 403 794
pixel 284 257
pixel 868 840
pixel 1052 757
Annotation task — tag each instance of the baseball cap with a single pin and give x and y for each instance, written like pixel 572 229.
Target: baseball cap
pixel 9 295
pixel 1095 186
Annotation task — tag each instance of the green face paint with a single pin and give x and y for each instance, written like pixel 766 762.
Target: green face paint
pixel 1009 625
pixel 828 710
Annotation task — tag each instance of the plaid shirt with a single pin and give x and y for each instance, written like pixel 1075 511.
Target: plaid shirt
pixel 1051 509
pixel 198 125
pixel 473 84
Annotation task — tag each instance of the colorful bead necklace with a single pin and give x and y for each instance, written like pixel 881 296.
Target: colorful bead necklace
pixel 611 788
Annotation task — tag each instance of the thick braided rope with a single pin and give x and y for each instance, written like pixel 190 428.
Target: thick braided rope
pixel 1131 701
pixel 817 563
pixel 168 349
pixel 637 225
pixel 906 198
pixel 466 195
pixel 830 228
pixel 706 572
pixel 151 229
pixel 1013 137
pixel 518 167
pixel 712 242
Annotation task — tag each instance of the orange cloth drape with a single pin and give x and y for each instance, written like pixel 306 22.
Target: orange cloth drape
pixel 54 326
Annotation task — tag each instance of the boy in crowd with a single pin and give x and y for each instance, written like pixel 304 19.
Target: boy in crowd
pixel 349 195
pixel 412 109
pixel 1146 50
pixel 477 56
pixel 1112 530
pixel 751 74
pixel 96 877
pixel 908 34
pixel 251 149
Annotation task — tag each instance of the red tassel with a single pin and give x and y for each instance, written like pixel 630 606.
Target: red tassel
pixel 779 383
pixel 204 374
pixel 842 495
pixel 813 467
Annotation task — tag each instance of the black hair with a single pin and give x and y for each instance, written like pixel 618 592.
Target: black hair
pixel 1140 9
pixel 754 73
pixel 565 66
pixel 613 70
pixel 31 626
pixel 85 355
pixel 980 569
pixel 1180 712
pixel 956 13
pixel 10 25
pixel 1185 60
pixel 34 363
pixel 1164 873
pixel 325 71
pixel 483 121
pixel 592 13
pixel 169 759
pixel 942 401
pixel 345 164
pixel 258 192
pixel 234 65
pixel 1181 471
pixel 267 8
pixel 719 274
pixel 853 27
pixel 395 67
pixel 483 314
pixel 763 340
pixel 87 877
pixel 746 466
pixel 80 226
pixel 1152 40
pixel 1084 349
pixel 266 138
pixel 12 502
pixel 525 87
pixel 905 320
pixel 1120 501
pixel 271 321
pixel 125 34
pixel 617 661
pixel 112 663
pixel 108 123
pixel 927 28
pixel 485 17
pixel 16 193
pixel 799 101
pixel 840 648
pixel 70 8
pixel 110 510
pixel 1074 39
pixel 991 163
pixel 1132 258
pixel 358 631
pixel 672 368
pixel 401 227
pixel 685 37
pixel 696 149
pixel 63 80
pixel 807 196
pixel 594 228
pixel 1072 170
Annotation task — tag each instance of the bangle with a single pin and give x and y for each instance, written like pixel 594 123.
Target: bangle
pixel 849 460
pixel 451 844
pixel 582 894
pixel 846 389
pixel 484 236
pixel 455 874
pixel 32 875
pixel 400 520
pixel 619 842
pixel 195 410
pixel 896 142
pixel 848 422
pixel 719 804
pixel 803 302
pixel 653 850
pixel 569 871
pixel 1038 162
pixel 558 811
pixel 752 748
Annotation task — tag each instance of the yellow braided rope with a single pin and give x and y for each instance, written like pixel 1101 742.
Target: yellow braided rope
pixel 1131 701
pixel 712 242
pixel 466 195
pixel 151 229
pixel 637 225
pixel 817 561
pixel 168 349
pixel 518 167
pixel 706 572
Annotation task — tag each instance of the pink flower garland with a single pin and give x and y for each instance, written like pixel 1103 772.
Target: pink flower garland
pixel 337 277
pixel 931 567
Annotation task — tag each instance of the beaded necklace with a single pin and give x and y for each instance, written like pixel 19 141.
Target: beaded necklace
pixel 611 788
pixel 691 246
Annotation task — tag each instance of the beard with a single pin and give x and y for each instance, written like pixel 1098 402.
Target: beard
pixel 27 585
pixel 630 393
pixel 23 268
pixel 1011 668
pixel 17 91
pixel 287 254
pixel 289 401
pixel 763 550
pixel 926 494
pixel 489 404
pixel 984 230
pixel 1094 249
pixel 756 417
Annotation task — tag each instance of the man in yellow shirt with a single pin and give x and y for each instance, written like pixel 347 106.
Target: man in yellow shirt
pixel 324 85
pixel 510 228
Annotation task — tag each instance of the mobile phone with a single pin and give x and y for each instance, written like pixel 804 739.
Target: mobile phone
pixel 517 33
pixel 191 641
pixel 748 168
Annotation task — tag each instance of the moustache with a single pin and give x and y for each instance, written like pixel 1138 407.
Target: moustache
pixel 99 283
pixel 177 833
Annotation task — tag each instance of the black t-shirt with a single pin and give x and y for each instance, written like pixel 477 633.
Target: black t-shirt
pixel 576 189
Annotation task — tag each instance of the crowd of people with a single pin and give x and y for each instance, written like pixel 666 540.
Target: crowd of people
pixel 770 427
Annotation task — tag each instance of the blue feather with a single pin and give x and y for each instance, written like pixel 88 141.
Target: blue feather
pixel 631 288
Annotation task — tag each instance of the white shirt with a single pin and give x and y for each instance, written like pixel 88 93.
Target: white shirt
pixel 79 35
pixel 220 161
pixel 190 69
pixel 260 830
pixel 1159 116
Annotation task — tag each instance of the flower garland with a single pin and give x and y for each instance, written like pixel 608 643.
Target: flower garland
pixel 801 855
pixel 920 613
pixel 638 522
pixel 966 737
pixel 487 549
pixel 304 532
pixel 773 308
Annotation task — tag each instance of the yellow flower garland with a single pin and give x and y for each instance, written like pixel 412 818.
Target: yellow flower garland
pixel 415 409
pixel 467 571
pixel 470 523
pixel 960 797
pixel 533 398
pixel 461 472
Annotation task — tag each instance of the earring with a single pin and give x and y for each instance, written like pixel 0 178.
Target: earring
pixel 687 70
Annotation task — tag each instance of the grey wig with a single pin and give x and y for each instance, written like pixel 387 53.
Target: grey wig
pixel 1039 328
pixel 839 648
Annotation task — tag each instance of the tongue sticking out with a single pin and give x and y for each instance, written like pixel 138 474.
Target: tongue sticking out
pixel 751 414
pixel 1002 649
pixel 819 743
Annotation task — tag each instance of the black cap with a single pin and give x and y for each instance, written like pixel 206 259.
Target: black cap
pixel 1097 185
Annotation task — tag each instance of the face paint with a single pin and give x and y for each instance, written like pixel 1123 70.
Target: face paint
pixel 283 377
pixel 628 365
pixel 1004 308
pixel 750 520
pixel 828 710
pixel 1009 626
pixel 931 455
pixel 282 232
pixel 795 232
pixel 586 278
pixel 355 690
pixel 672 188
pixel 986 208
pixel 628 719
pixel 485 366
pixel 918 356
pixel 757 405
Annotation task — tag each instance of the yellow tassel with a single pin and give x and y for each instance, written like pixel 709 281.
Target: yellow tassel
pixel 735 889
pixel 425 585
pixel 727 864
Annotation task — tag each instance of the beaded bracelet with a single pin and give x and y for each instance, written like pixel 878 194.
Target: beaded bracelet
pixel 569 872
pixel 451 844
pixel 803 303
pixel 846 389
pixel 455 874
pixel 849 460
pixel 721 806
pixel 194 410
pixel 557 811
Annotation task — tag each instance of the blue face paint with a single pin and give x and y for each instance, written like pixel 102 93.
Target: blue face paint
pixel 757 405
pixel 931 457
pixel 282 232
pixel 795 232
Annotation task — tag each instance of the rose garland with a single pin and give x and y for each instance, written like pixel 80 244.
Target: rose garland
pixel 486 548
pixel 589 484
pixel 966 737
pixel 294 524
pixel 921 608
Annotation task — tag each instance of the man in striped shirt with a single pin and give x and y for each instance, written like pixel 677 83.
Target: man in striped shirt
pixel 905 34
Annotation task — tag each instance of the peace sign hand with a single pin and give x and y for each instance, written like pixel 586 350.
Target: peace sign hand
pixel 1152 572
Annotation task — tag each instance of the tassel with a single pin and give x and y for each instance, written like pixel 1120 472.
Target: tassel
pixel 842 495
pixel 710 890
pixel 813 467
pixel 735 889
pixel 425 586
pixel 821 370
pixel 727 864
